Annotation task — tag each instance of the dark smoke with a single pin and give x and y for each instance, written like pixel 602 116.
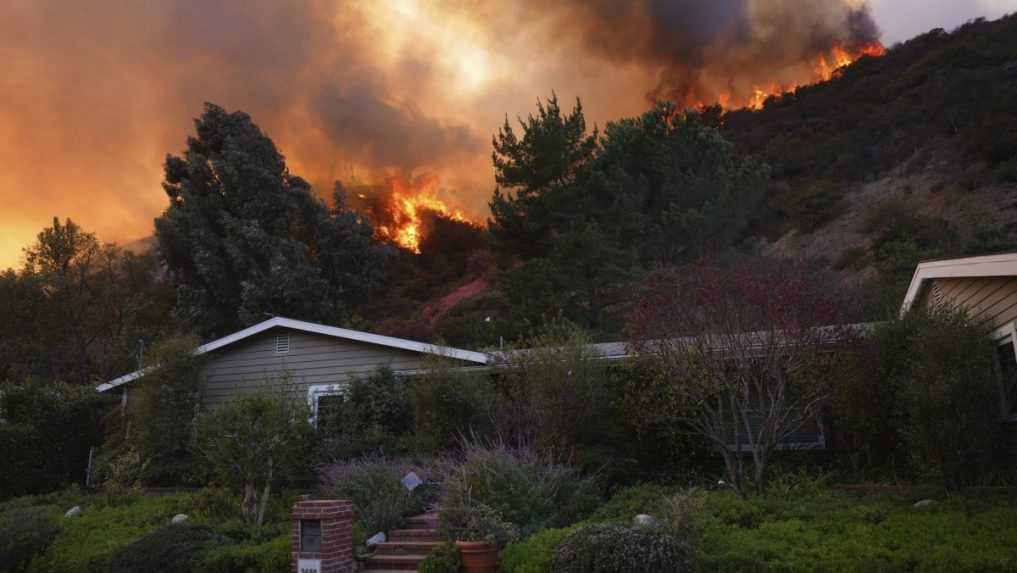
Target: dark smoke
pixel 700 48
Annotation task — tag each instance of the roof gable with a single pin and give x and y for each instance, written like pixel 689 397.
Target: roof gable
pixel 1000 265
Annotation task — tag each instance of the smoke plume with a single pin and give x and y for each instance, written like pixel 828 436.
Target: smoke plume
pixel 95 94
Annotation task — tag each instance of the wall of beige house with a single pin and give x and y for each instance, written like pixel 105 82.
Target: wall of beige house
pixel 299 361
pixel 993 299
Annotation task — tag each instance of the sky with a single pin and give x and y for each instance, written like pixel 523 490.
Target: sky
pixel 93 95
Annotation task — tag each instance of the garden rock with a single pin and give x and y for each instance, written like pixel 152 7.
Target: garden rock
pixel 179 518
pixel 924 503
pixel 643 520
pixel 73 512
pixel 376 539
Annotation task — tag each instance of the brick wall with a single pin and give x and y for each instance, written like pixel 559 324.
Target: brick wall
pixel 336 517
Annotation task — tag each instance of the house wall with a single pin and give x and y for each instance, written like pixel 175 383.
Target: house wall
pixel 246 366
pixel 993 299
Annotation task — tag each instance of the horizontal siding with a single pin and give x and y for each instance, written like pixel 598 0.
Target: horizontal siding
pixel 993 299
pixel 254 364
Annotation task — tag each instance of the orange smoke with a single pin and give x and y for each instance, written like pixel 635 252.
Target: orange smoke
pixel 404 208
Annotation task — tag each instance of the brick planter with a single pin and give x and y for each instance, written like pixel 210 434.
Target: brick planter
pixel 332 547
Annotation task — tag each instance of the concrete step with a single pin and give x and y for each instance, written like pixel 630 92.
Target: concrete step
pixel 405 547
pixel 394 562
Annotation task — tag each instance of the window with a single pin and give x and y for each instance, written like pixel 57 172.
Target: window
pixel 325 402
pixel 282 343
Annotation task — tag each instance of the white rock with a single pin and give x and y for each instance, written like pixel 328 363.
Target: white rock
pixel 376 539
pixel 179 518
pixel 923 503
pixel 73 512
pixel 412 481
pixel 643 520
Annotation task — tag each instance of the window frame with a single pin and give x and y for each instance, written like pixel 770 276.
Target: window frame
pixel 1002 336
pixel 316 391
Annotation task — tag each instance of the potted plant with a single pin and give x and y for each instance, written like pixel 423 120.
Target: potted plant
pixel 479 531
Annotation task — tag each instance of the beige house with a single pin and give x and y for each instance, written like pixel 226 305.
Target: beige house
pixel 314 359
pixel 986 287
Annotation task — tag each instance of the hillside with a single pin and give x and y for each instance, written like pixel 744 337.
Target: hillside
pixel 898 158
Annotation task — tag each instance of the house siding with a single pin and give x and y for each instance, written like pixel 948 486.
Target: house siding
pixel 993 299
pixel 254 364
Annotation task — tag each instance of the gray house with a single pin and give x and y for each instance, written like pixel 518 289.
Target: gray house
pixel 316 360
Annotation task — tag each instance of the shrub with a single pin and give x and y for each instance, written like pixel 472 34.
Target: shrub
pixel 254 441
pixel 925 397
pixel 264 556
pixel 172 549
pixel 630 502
pixel 607 548
pixel 45 439
pixel 476 522
pixel 166 412
pixel 444 558
pixel 373 417
pixel 533 554
pixel 448 405
pixel 24 534
pixel 530 491
pixel 374 486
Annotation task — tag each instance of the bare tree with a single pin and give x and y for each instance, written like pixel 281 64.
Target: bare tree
pixel 741 357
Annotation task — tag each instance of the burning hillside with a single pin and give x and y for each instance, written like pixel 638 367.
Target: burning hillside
pixel 399 208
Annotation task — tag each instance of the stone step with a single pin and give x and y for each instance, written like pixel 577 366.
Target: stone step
pixel 403 547
pixel 414 535
pixel 426 521
pixel 394 562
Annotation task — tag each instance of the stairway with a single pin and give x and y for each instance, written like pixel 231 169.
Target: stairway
pixel 406 548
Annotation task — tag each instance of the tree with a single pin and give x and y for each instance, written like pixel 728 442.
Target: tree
pixel 243 237
pixel 253 441
pixel 78 308
pixel 741 356
pixel 535 174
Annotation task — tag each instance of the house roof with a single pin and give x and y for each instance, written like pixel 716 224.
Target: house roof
pixel 1000 265
pixel 333 331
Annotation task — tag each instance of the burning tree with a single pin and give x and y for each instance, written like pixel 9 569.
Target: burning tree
pixel 738 356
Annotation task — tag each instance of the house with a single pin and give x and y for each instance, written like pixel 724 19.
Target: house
pixel 986 288
pixel 316 360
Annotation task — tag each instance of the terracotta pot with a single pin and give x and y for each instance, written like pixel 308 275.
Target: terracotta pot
pixel 478 556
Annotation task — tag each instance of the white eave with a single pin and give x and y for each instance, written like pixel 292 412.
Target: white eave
pixel 1002 265
pixel 333 331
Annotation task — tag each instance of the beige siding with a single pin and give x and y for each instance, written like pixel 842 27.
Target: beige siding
pixel 993 299
pixel 312 359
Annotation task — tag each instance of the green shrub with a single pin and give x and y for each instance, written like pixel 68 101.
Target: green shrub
pixel 607 548
pixel 528 490
pixel 266 556
pixel 630 502
pixel 47 434
pixel 255 441
pixel 444 558
pixel 373 416
pixel 448 405
pixel 374 486
pixel 533 554
pixel 171 549
pixel 476 522
pixel 24 534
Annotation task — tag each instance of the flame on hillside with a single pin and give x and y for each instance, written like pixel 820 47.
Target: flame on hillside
pixel 823 69
pixel 399 208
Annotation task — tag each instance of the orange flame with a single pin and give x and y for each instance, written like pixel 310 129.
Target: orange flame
pixel 406 205
pixel 824 69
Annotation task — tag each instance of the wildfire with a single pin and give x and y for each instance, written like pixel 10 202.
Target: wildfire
pixel 406 203
pixel 823 69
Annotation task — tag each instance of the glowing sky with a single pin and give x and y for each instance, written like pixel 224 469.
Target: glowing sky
pixel 94 94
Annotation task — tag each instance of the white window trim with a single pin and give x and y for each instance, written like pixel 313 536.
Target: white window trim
pixel 316 391
pixel 1007 334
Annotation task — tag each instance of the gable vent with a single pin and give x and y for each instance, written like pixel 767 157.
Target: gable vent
pixel 282 343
